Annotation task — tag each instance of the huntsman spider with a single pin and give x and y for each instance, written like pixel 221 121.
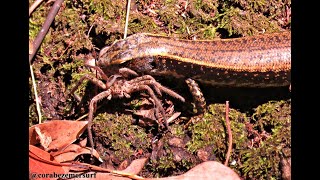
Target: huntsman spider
pixel 119 86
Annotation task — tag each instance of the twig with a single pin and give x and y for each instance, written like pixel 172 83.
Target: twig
pixel 127 20
pixel 34 6
pixel 229 134
pixel 37 42
pixel 82 117
pixel 84 167
pixel 35 94
pixel 36 45
pixel 90 31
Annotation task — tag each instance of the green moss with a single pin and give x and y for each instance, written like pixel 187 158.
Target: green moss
pixel 163 165
pixel 177 130
pixel 262 162
pixel 36 20
pixel 33 117
pixel 273 113
pixel 272 118
pixel 211 131
pixel 169 160
pixel 135 104
pixel 120 135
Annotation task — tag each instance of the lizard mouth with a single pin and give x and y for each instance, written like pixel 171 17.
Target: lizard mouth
pixel 118 61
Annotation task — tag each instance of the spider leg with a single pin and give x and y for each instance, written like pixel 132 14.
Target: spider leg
pixel 146 79
pixel 94 80
pixel 112 80
pixel 157 86
pixel 168 91
pixel 92 109
pixel 100 71
pixel 126 72
pixel 141 87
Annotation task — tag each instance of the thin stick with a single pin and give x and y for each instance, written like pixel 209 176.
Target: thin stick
pixel 229 134
pixel 35 94
pixel 127 20
pixel 36 45
pixel 37 42
pixel 34 6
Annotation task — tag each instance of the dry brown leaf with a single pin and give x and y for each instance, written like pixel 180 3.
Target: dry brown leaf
pixel 37 167
pixel 136 166
pixel 146 113
pixel 173 117
pixel 133 169
pixel 74 150
pixel 123 165
pixel 62 132
pixel 44 139
pixel 83 142
pixel 285 164
pixel 209 170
